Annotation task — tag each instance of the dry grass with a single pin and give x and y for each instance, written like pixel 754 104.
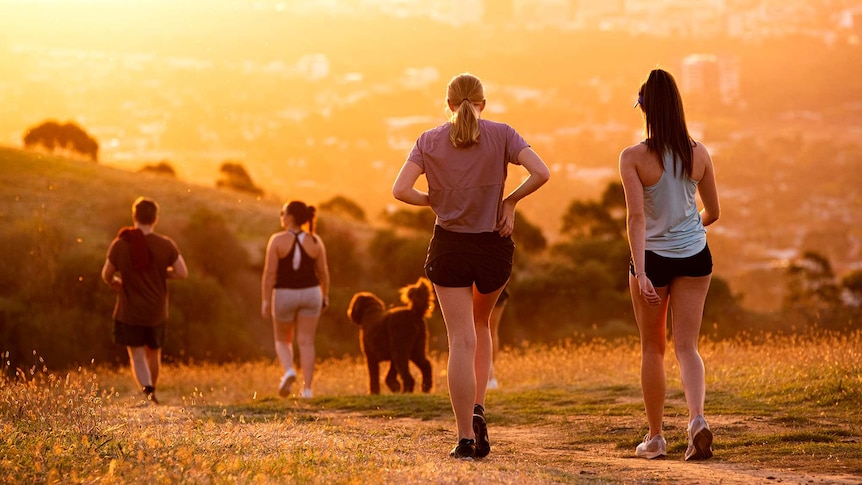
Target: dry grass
pixel 569 413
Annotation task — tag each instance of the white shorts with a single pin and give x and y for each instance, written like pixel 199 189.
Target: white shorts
pixel 288 303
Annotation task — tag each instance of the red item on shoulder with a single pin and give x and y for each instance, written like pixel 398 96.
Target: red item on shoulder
pixel 140 252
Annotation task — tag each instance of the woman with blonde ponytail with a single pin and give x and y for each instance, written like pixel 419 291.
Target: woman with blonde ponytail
pixel 465 162
pixel 465 91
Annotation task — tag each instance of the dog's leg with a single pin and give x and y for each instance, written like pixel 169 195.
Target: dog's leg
pixel 392 379
pixel 401 362
pixel 373 377
pixel 418 356
pixel 427 375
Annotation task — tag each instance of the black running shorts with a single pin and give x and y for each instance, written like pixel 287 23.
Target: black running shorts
pixel 458 260
pixel 661 270
pixel 139 335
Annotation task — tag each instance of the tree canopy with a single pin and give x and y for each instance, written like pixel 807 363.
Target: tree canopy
pixel 54 136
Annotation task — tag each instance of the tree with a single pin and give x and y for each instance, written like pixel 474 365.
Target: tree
pixel 344 206
pixel 811 287
pixel 398 260
pixel 851 285
pixel 161 168
pixel 235 176
pixel 422 219
pixel 605 219
pixel 528 235
pixel 53 136
pixel 212 247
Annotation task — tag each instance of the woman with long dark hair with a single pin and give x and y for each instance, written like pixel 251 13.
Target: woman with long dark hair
pixel 671 265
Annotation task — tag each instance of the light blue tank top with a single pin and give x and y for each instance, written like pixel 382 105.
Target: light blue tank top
pixel 674 228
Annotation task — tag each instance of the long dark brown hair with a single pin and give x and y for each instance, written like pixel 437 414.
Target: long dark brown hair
pixel 666 130
pixel 302 214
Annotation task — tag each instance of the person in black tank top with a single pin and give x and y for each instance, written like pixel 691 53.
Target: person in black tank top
pixel 294 291
pixel 304 275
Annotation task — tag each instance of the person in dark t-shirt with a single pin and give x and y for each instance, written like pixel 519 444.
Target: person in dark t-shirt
pixel 138 264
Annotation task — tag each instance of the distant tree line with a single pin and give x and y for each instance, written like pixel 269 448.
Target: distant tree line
pixel 71 138
pixel 576 288
pixel 54 136
pixel 162 168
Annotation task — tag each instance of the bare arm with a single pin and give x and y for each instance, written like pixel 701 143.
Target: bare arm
pixel 708 192
pixel 178 270
pixel 636 222
pixel 539 175
pixel 321 267
pixel 403 189
pixel 110 275
pixel 267 283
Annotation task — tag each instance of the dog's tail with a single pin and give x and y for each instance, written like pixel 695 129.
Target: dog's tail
pixel 419 297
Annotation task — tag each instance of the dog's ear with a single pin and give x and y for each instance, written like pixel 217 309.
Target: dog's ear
pixel 354 310
pixel 361 305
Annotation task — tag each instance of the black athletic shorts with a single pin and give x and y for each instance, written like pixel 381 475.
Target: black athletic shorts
pixel 458 260
pixel 139 335
pixel 661 270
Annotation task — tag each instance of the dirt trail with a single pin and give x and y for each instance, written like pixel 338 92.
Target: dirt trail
pixel 605 463
pixel 549 451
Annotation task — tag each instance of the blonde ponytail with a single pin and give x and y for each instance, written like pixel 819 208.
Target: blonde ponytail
pixel 464 90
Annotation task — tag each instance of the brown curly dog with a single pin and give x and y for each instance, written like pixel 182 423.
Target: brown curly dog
pixel 398 334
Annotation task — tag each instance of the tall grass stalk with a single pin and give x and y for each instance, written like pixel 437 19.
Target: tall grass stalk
pixel 565 413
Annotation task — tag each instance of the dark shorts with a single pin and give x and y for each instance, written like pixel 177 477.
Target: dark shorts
pixel 662 270
pixel 139 335
pixel 458 260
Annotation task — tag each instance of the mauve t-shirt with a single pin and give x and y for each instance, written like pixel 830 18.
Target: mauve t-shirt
pixel 466 185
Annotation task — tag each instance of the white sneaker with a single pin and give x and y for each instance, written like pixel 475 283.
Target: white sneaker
pixel 699 440
pixel 287 381
pixel 305 393
pixel 654 447
pixel 493 384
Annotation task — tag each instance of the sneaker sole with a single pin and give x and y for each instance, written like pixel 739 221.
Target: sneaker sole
pixel 651 455
pixel 284 390
pixel 467 454
pixel 480 429
pixel 702 443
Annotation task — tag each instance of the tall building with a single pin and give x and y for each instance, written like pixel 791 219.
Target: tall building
pixel 710 78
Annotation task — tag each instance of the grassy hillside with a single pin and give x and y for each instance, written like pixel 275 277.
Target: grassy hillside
pixel 92 201
pixel 58 216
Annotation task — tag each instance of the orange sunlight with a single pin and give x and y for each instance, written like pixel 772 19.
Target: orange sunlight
pixel 324 98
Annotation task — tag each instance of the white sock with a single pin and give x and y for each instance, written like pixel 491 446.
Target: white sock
pixel 139 363
pixel 284 351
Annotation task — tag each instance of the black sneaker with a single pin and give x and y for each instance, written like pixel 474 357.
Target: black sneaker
pixel 464 450
pixel 150 394
pixel 480 429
